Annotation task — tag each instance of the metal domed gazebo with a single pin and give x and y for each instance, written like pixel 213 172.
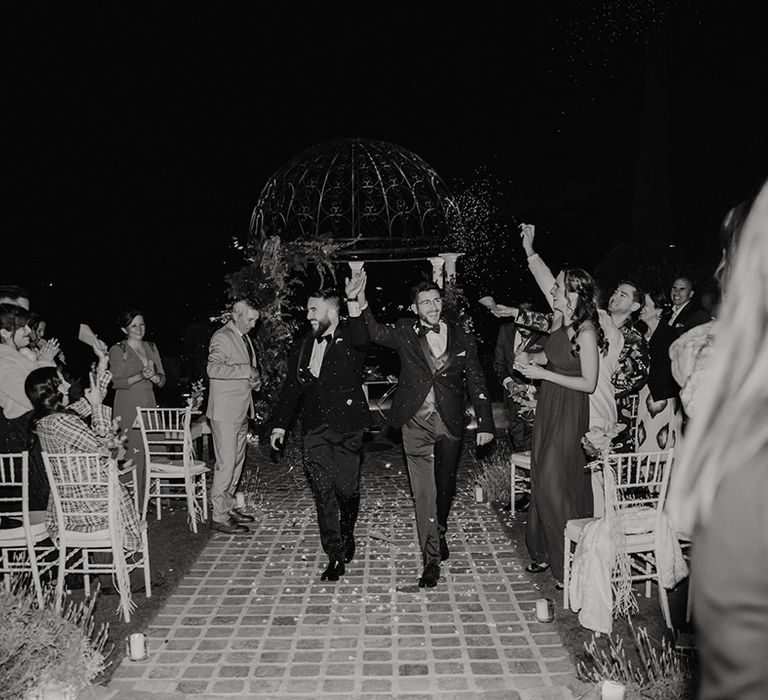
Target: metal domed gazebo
pixel 377 200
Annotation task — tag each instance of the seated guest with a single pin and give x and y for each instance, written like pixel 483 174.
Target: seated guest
pixel 62 429
pixel 15 429
pixel 659 415
pixel 685 312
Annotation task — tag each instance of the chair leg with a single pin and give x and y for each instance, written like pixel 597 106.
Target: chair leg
pixel 512 488
pixel 157 500
pixel 664 601
pixel 147 489
pixel 86 574
pixel 566 571
pixel 145 565
pixel 204 489
pixel 60 579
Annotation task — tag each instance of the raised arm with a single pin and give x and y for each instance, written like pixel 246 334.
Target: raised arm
pixel 360 313
pixel 539 269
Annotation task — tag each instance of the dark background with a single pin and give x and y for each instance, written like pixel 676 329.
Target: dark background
pixel 138 138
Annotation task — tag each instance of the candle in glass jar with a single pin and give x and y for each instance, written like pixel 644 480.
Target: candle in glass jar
pixel 240 498
pixel 479 493
pixel 544 610
pixel 611 690
pixel 136 646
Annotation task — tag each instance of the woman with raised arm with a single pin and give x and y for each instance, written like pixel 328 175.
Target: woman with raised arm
pixel 568 369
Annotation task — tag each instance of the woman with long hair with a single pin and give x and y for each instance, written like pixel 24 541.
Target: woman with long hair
pixel 722 479
pixel 16 414
pixel 136 371
pixel 568 369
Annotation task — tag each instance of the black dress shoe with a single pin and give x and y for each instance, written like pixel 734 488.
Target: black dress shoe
pixel 349 549
pixel 334 569
pixel 444 552
pixel 522 503
pixel 534 568
pixel 430 576
pixel 239 517
pixel 229 528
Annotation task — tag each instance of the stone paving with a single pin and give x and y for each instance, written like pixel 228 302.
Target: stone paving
pixel 252 618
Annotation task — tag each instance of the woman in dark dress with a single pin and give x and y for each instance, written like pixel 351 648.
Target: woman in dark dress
pixel 568 369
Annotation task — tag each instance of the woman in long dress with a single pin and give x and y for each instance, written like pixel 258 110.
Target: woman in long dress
pixel 136 371
pixel 659 415
pixel 568 369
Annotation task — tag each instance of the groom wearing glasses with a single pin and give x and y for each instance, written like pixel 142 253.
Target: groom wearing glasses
pixel 436 359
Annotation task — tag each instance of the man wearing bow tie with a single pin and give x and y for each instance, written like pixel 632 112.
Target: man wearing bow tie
pixel 233 376
pixel 436 358
pixel 325 378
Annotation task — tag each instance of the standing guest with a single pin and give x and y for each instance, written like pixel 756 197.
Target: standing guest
pixel 722 478
pixel 233 376
pixel 568 369
pixel 13 294
pixel 602 403
pixel 631 374
pixel 16 415
pixel 659 416
pixel 136 371
pixel 514 338
pixel 685 313
pixel 325 378
pixel 436 359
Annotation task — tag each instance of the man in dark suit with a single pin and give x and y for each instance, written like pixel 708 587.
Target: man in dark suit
pixel 685 312
pixel 325 370
pixel 436 358
pixel 514 338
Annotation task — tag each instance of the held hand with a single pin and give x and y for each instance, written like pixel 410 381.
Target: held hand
pixel 352 287
pixel 527 233
pixel 48 350
pixel 532 371
pixel 149 371
pixel 484 438
pixel 254 380
pixel 100 348
pixel 503 311
pixel 276 440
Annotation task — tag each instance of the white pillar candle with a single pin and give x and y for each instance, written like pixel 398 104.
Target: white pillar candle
pixel 479 493
pixel 544 612
pixel 137 646
pixel 355 266
pixel 240 499
pixel 611 690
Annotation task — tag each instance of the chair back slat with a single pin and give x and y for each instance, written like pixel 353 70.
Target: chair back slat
pixel 14 477
pixel 166 434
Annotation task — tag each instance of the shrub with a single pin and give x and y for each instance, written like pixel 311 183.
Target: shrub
pixel 42 648
pixel 492 474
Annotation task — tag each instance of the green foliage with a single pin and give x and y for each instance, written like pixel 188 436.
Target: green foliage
pixel 40 647
pixel 665 673
pixel 273 278
pixel 492 474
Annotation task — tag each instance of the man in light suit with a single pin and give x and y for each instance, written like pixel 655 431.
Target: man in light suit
pixel 233 376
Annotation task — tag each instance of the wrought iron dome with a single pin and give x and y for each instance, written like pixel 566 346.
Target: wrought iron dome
pixel 376 199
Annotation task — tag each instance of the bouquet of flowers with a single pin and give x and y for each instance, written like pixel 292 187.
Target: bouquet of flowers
pixel 196 394
pixel 597 441
pixel 113 443
pixel 525 396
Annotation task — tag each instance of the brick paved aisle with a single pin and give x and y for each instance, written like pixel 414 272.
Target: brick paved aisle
pixel 253 619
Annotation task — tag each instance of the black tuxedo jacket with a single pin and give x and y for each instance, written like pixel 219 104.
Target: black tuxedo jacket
pixel 504 358
pixel 336 397
pixel 691 315
pixel 660 380
pixel 417 376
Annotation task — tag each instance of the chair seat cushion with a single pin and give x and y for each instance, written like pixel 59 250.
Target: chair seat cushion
pixel 176 470
pixel 15 537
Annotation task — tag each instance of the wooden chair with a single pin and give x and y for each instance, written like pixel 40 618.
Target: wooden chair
pixel 640 488
pixel 171 470
pixel 520 475
pixel 86 494
pixel 21 547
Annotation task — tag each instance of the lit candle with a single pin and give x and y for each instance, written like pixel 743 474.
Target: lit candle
pixel 611 690
pixel 240 498
pixel 479 493
pixel 544 611
pixel 137 646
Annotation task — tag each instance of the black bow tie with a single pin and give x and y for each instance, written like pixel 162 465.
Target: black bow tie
pixel 324 338
pixel 426 328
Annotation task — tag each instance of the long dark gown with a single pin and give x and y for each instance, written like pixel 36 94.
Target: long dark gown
pixel 560 489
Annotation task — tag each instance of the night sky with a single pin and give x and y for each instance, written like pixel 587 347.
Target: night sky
pixel 139 137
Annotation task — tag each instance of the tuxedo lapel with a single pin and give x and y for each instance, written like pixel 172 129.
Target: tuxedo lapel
pixel 304 355
pixel 427 353
pixel 450 349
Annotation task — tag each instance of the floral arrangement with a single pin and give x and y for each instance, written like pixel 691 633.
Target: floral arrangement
pixel 597 440
pixel 525 396
pixel 196 394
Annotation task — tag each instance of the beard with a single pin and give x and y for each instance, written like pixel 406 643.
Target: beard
pixel 322 327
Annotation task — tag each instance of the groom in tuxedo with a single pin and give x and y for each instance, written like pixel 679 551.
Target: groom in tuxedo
pixel 325 370
pixel 436 358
